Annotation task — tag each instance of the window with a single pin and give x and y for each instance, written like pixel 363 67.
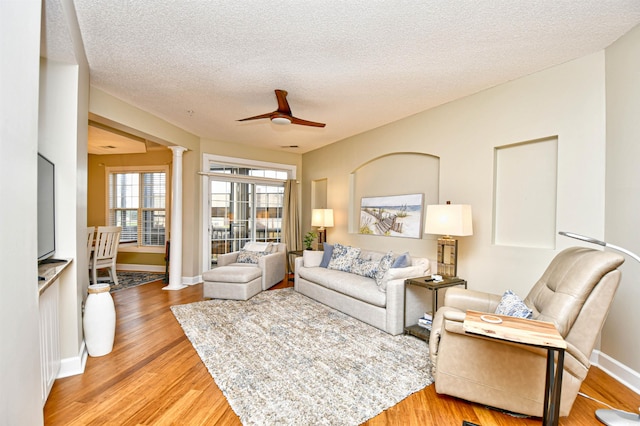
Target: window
pixel 245 201
pixel 137 203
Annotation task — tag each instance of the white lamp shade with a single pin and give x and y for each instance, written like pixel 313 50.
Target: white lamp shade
pixel 322 218
pixel 449 219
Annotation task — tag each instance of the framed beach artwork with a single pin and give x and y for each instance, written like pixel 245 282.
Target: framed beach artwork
pixel 392 216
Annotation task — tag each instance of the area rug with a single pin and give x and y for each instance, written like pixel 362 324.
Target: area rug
pixel 128 279
pixel 281 358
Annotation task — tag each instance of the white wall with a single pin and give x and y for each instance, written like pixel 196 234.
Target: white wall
pixel 621 334
pixel 20 390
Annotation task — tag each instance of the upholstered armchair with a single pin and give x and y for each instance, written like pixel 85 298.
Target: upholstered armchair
pixel 575 293
pixel 273 265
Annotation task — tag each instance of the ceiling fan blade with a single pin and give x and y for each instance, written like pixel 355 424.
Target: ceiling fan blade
pixel 257 117
pixel 283 104
pixel 295 120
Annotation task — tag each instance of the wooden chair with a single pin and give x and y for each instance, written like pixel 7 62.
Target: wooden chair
pixel 105 252
pixel 90 231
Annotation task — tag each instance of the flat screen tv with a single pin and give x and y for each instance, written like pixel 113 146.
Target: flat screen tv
pixel 46 208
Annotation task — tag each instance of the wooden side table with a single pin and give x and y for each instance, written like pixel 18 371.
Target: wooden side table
pixel 540 334
pixel 428 283
pixel 294 253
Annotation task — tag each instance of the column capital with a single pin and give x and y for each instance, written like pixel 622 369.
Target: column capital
pixel 177 150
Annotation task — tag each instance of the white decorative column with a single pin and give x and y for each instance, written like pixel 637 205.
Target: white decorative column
pixel 175 250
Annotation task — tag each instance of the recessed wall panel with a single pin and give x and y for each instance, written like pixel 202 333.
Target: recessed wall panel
pixel 525 188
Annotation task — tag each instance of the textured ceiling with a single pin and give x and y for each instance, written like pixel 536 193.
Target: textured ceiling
pixel 354 65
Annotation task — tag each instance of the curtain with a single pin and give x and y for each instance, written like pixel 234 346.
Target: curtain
pixel 291 216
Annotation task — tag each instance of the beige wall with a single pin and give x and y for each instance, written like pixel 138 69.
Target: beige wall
pixel 112 111
pixel 620 335
pixel 97 208
pixel 566 101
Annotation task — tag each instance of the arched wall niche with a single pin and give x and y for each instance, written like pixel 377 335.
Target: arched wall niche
pixel 396 173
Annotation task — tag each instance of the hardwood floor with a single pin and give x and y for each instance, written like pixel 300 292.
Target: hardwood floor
pixel 155 377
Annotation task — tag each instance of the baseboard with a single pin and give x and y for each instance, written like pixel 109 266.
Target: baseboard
pixel 625 375
pixel 74 365
pixel 192 280
pixel 140 268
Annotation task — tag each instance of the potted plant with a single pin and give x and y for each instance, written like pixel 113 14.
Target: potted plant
pixel 308 240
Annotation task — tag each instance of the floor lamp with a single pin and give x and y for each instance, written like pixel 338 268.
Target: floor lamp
pixel 610 417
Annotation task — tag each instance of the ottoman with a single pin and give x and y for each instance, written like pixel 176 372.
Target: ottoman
pixel 232 282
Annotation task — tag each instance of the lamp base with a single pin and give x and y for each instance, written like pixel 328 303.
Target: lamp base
pixel 322 237
pixel 617 417
pixel 447 257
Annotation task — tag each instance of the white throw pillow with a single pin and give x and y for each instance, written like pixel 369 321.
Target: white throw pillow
pixel 256 246
pixel 312 258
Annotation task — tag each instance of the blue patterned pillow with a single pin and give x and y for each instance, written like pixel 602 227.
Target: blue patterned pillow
pixel 383 267
pixel 342 257
pixel 364 267
pixel 247 256
pixel 513 306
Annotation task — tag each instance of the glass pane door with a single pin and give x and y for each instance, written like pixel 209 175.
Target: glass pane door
pixel 242 212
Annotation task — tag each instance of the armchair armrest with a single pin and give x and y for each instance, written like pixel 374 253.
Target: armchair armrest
pixel 228 258
pixel 273 268
pixel 464 299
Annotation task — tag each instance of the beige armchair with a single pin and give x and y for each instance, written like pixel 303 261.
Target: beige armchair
pixel 273 265
pixel 575 293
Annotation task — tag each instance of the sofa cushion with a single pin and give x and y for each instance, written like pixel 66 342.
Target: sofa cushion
pixel 232 274
pixel 356 286
pixel 343 257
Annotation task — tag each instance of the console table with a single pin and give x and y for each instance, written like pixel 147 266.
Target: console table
pixel 48 303
pixel 540 334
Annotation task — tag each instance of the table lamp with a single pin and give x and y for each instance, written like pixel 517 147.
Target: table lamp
pixel 322 218
pixel 610 417
pixel 448 220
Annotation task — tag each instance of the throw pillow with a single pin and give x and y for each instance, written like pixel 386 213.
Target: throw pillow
pixel 402 261
pixel 326 257
pixel 364 267
pixel 342 257
pixel 383 267
pixel 257 246
pixel 513 306
pixel 246 256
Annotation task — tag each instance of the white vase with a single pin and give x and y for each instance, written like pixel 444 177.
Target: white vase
pixel 99 320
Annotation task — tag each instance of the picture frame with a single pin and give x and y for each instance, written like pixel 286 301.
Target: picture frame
pixel 392 215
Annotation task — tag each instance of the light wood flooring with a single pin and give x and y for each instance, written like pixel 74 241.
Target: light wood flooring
pixel 155 377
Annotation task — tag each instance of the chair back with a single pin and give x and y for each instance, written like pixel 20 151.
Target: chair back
pixel 575 293
pixel 107 241
pixel 90 231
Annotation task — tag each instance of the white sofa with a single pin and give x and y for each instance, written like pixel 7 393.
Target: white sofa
pixel 362 297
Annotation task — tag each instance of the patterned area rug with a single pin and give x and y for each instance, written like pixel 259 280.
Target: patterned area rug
pixel 127 279
pixel 281 358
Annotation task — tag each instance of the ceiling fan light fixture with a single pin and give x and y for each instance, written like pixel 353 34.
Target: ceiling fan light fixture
pixel 280 120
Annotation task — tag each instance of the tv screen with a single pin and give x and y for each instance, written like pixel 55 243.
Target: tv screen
pixel 46 208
